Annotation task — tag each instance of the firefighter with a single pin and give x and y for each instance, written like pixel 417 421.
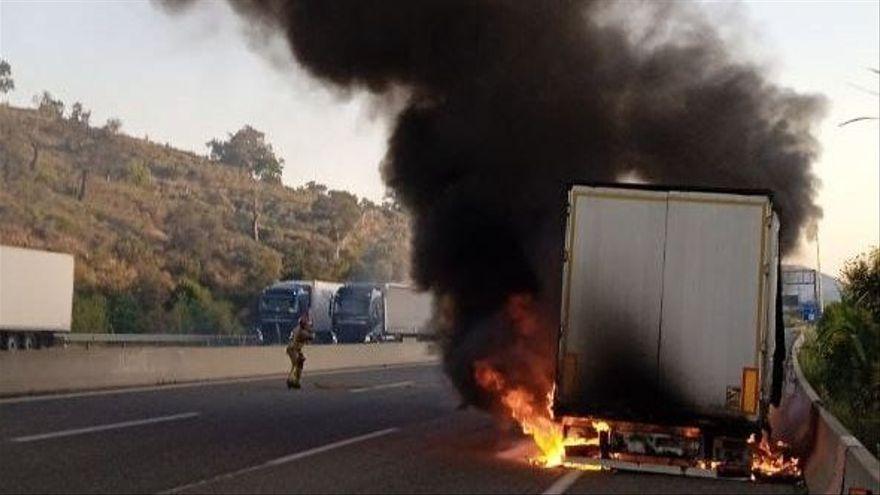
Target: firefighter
pixel 300 335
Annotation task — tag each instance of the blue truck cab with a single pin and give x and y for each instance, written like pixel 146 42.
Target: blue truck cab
pixel 282 304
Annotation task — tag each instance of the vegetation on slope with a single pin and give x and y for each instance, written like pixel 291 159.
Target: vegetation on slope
pixel 170 241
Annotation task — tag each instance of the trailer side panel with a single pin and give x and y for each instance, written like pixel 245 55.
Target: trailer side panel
pixel 36 290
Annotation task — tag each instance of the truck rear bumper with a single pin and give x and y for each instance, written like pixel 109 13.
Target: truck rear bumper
pixel 712 452
pixel 589 463
pixel 351 333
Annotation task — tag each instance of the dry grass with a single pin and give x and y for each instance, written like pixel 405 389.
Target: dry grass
pixel 153 216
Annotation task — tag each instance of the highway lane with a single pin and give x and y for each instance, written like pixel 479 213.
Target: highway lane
pixel 394 430
pixel 463 452
pixel 238 425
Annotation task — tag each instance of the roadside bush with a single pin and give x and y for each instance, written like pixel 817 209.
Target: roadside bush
pixel 89 313
pixel 192 309
pixel 841 356
pixel 860 279
pixel 125 315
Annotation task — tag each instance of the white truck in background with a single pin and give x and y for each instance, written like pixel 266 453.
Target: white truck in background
pixel 375 312
pixel 36 297
pixel 671 329
pixel 408 312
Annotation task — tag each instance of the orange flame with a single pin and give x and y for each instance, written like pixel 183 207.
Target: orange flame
pixel 533 414
pixel 528 401
pixel 771 460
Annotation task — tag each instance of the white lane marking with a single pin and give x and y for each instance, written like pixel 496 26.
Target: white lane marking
pixel 283 460
pixel 173 386
pixel 111 426
pixel 381 387
pixel 563 483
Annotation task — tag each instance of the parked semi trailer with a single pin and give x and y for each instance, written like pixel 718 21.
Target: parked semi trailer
pixel 407 311
pixel 282 304
pixel 671 336
pixel 36 296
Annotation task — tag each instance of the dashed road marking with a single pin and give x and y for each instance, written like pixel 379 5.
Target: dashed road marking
pixel 563 483
pixel 283 460
pixel 381 387
pixel 97 428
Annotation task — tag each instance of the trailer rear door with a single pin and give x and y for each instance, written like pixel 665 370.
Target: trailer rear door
pixel 611 301
pixel 712 301
pixel 665 302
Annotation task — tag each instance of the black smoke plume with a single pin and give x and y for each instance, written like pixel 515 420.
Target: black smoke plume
pixel 510 101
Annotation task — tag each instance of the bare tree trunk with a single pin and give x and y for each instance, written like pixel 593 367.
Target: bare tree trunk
pixel 35 157
pixel 256 214
pixel 5 162
pixel 82 184
pixel 336 255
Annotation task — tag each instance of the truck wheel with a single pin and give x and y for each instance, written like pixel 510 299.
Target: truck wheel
pixel 10 342
pixel 28 342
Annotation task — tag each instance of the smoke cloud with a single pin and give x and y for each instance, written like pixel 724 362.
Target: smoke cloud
pixel 510 101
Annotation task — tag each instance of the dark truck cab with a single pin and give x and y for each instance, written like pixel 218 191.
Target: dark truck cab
pixel 358 313
pixel 280 307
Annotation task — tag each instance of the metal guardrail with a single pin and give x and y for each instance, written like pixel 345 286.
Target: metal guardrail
pixel 155 338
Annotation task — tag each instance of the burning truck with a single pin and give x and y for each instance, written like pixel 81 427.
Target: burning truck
pixel 671 344
pixel 669 325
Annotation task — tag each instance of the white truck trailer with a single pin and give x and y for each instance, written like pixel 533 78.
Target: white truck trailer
pixel 407 311
pixel 36 296
pixel 670 332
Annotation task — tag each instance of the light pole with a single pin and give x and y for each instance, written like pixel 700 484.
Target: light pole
pixel 817 284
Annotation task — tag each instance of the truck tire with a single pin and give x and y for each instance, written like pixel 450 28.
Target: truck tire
pixel 10 342
pixel 28 342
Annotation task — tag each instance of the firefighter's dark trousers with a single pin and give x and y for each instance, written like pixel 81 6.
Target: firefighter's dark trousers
pixel 297 360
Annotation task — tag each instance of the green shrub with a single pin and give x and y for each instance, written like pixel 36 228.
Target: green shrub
pixel 137 173
pixel 860 279
pixel 194 310
pixel 841 357
pixel 89 313
pixel 125 315
pixel 848 343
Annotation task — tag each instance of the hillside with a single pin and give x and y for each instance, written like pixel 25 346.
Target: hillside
pixel 163 238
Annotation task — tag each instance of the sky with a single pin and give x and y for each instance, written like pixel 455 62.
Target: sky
pixel 187 79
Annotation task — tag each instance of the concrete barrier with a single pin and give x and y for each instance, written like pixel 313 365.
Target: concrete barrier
pixel 58 369
pixel 833 460
pixel 861 470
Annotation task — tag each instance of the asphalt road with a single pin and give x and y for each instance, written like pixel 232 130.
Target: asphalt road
pixel 370 431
